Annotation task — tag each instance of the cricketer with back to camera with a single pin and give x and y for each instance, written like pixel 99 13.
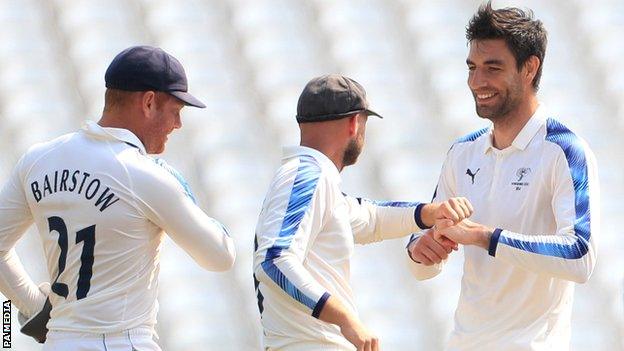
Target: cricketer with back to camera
pixel 101 205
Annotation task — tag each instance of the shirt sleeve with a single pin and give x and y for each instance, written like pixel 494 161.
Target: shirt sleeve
pixel 374 221
pixel 15 218
pixel 570 252
pixel 445 189
pixel 169 203
pixel 292 217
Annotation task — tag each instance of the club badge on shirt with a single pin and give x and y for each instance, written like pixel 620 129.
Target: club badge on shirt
pixel 521 181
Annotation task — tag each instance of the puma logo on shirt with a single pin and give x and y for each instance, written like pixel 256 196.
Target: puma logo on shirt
pixel 471 174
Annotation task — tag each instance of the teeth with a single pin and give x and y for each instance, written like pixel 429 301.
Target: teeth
pixel 485 96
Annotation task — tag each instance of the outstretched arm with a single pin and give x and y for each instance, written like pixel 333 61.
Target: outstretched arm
pixel 373 221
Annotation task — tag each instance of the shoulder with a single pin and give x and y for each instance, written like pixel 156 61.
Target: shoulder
pixel 295 183
pixel 303 167
pixel 567 143
pixel 152 171
pixel 299 173
pixel 559 134
pixel 469 140
pixel 39 150
pixel 472 137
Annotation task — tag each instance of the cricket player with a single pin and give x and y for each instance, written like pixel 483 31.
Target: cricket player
pixel 533 184
pixel 101 205
pixel 307 228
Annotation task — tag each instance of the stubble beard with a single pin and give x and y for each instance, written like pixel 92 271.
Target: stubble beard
pixel 351 153
pixel 501 111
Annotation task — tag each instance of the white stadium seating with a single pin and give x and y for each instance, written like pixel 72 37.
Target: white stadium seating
pixel 248 60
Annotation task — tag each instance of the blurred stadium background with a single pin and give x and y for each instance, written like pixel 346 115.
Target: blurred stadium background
pixel 249 60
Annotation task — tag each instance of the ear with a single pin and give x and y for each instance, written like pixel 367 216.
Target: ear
pixel 531 66
pixel 148 102
pixel 353 125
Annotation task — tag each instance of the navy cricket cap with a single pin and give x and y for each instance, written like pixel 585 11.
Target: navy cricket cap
pixel 144 68
pixel 331 97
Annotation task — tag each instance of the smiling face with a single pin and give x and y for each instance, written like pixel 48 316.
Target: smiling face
pixel 494 79
pixel 164 118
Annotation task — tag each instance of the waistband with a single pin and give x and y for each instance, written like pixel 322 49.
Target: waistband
pixel 311 346
pixel 140 331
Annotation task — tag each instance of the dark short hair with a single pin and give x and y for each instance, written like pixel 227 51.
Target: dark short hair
pixel 524 35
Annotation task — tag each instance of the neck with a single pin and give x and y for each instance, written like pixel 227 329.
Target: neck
pixel 507 128
pixel 328 149
pixel 116 120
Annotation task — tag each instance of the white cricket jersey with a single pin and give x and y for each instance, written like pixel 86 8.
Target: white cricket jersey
pixel 100 205
pixel 542 195
pixel 304 242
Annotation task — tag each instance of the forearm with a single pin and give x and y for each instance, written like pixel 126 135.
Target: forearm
pixel 287 275
pixel 397 222
pixel 565 256
pixel 203 238
pixel 374 221
pixel 335 312
pixel 17 285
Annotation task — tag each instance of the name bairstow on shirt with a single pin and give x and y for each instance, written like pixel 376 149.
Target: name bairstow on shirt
pixel 79 181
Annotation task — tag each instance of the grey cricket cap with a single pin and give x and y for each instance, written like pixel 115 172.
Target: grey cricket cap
pixel 331 97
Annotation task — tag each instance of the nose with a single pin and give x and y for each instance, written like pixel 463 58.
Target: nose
pixel 476 79
pixel 178 122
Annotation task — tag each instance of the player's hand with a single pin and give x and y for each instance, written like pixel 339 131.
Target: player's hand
pixel 465 232
pixel 360 336
pixel 455 209
pixel 35 326
pixel 335 312
pixel 429 250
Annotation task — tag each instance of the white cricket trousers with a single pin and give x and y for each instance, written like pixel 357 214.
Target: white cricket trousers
pixel 138 339
pixel 310 346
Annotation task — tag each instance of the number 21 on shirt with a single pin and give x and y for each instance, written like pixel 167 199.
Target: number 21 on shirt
pixel 85 235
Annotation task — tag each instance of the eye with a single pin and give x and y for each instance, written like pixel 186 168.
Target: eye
pixel 493 69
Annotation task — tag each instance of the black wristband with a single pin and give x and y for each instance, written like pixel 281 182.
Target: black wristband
pixel 418 217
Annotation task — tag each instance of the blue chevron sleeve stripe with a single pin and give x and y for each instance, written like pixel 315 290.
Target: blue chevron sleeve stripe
pixel 301 195
pixel 575 154
pixel 472 136
pixel 386 203
pixel 469 138
pixel 394 203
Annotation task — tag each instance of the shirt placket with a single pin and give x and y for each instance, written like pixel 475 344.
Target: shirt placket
pixel 499 158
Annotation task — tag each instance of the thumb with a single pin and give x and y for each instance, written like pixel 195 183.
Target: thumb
pixel 444 241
